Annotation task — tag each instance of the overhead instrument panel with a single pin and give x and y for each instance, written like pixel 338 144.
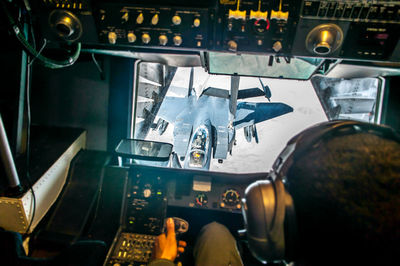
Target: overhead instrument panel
pixel 257 26
pixel 152 26
pixel 345 29
pixel 366 30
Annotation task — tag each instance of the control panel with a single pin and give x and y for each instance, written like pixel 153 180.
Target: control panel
pixel 145 207
pixel 364 30
pixel 259 26
pixel 132 249
pixel 160 26
pixel 346 29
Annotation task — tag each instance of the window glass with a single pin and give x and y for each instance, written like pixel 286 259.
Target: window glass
pixel 241 137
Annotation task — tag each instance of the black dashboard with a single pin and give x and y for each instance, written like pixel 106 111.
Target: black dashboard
pixel 151 194
pixel 348 29
pixel 190 188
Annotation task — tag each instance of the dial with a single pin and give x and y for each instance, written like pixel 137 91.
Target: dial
pixel 231 198
pixel 201 199
pixel 147 192
pixel 176 20
pixel 260 26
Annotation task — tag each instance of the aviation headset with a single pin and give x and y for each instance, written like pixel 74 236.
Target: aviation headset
pixel 267 207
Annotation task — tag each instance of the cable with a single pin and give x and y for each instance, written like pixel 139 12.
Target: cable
pixel 47 62
pixel 28 137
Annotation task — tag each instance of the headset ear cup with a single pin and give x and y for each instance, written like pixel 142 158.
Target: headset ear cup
pixel 264 215
pixel 290 228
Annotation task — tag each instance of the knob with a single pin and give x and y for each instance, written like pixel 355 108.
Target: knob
pixel 154 20
pixel 163 39
pixel 277 46
pixel 131 37
pixel 232 46
pixel 147 193
pixel 140 18
pixel 125 17
pixel 196 22
pixel 112 37
pixel 176 20
pixel 146 38
pixel 177 40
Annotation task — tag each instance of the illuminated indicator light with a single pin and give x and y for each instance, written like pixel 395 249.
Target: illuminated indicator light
pixel 74 6
pixel 68 6
pixel 80 5
pixel 58 5
pixel 222 204
pixel 198 43
pixel 159 193
pixel 131 222
pixel 63 5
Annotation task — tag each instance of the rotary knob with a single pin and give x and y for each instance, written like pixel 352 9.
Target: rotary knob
pixel 163 39
pixel 196 22
pixel 131 37
pixel 146 38
pixel 177 40
pixel 176 20
pixel 140 18
pixel 147 193
pixel 232 46
pixel 154 19
pixel 112 37
pixel 277 46
pixel 125 17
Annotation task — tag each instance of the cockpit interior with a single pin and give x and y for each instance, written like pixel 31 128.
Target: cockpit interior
pixel 118 114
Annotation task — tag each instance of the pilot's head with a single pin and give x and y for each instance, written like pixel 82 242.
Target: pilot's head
pixel 332 198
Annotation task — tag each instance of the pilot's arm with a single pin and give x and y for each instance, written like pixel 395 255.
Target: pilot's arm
pixel 166 249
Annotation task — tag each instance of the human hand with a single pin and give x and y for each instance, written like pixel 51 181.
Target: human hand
pixel 166 246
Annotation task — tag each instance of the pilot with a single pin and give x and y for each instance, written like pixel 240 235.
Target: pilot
pixel 332 198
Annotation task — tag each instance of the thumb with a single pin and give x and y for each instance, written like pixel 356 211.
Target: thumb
pixel 170 229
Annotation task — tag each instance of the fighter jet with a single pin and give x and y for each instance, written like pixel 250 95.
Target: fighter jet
pixel 205 126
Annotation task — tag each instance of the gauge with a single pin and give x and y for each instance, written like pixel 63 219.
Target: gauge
pixel 231 198
pixel 201 199
pixel 261 25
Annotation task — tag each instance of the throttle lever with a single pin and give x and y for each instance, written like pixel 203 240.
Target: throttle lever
pixel 181 226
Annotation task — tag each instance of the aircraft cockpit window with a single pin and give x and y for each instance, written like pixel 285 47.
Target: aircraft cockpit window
pixel 355 99
pixel 264 66
pixel 237 123
pixel 200 138
pixel 221 123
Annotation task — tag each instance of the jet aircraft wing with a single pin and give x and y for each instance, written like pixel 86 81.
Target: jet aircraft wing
pixel 249 113
pixel 171 107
